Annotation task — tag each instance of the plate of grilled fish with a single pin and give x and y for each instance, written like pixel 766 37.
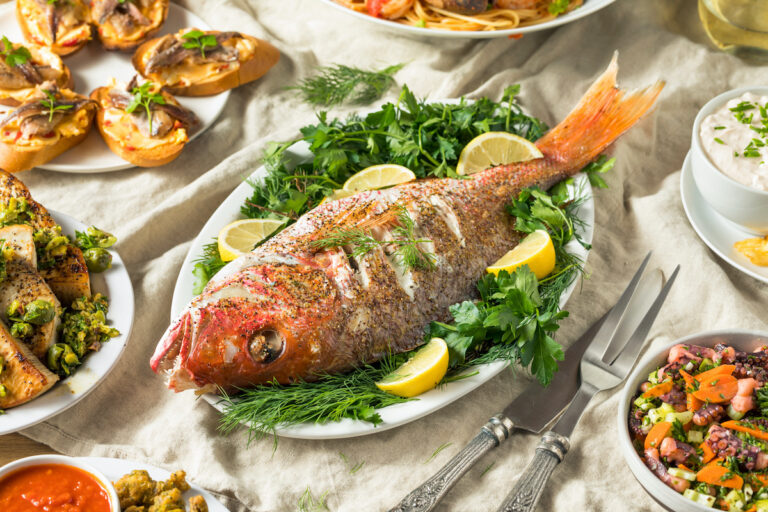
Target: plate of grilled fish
pixel 154 78
pixel 66 306
pixel 288 311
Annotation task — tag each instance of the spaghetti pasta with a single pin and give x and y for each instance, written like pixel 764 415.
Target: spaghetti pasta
pixel 504 15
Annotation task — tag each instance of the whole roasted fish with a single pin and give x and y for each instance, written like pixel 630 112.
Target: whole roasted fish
pixel 289 311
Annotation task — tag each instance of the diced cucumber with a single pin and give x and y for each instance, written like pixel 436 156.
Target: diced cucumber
pixel 695 436
pixel 701 499
pixel 683 417
pixel 653 377
pixel 734 414
pixel 761 506
pixel 735 500
pixel 682 473
pixel 644 404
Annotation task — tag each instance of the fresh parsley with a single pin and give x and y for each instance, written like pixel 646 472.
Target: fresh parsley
pixel 558 7
pixel 143 96
pixel 14 56
pixel 50 104
pixel 198 39
pixel 762 400
pixel 678 432
pixel 333 85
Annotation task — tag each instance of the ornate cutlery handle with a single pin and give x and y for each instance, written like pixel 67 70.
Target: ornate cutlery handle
pixel 427 495
pixel 526 493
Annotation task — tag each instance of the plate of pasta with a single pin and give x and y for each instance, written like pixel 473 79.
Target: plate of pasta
pixel 469 19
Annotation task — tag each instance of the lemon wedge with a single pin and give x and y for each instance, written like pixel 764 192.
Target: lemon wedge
pixel 536 250
pixel 495 148
pixel 420 373
pixel 378 176
pixel 239 237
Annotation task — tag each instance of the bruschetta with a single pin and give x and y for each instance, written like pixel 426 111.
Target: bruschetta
pixel 47 124
pixel 196 63
pixel 142 123
pixel 66 273
pixel 61 25
pixel 23 68
pixel 125 24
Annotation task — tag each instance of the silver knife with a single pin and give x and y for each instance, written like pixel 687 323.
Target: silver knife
pixel 532 410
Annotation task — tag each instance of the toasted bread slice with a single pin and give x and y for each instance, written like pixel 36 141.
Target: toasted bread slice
pixel 23 376
pixel 65 33
pixel 126 140
pixel 121 26
pixel 16 87
pixel 24 284
pixel 21 150
pixel 195 76
pixel 68 278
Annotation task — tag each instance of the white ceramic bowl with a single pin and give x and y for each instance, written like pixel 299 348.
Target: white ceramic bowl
pixel 740 204
pixel 114 502
pixel 743 340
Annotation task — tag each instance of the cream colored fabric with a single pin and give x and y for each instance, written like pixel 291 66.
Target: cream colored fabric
pixel 157 212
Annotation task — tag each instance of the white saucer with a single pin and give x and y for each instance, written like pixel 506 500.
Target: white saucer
pixel 717 232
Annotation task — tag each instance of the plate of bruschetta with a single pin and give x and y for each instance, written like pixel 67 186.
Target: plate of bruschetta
pixel 66 308
pixel 108 85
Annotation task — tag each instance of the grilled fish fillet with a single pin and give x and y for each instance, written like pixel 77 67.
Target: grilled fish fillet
pixel 289 311
pixel 69 278
pixel 24 376
pixel 19 238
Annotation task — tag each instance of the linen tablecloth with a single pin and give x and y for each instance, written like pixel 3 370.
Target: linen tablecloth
pixel 157 212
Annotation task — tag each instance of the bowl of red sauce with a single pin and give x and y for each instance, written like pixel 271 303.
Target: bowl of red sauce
pixel 55 483
pixel 693 422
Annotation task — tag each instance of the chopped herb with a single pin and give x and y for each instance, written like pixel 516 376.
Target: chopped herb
pixel 719 140
pixel 558 6
pixel 336 84
pixel 143 96
pixel 308 503
pixel 487 469
pixel 198 39
pixel 14 56
pixel 721 127
pixel 50 104
pixel 678 432
pixel 437 452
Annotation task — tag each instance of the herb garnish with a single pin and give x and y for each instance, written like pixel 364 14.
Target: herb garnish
pixel 719 140
pixel 50 104
pixel 308 503
pixel 558 6
pixel 407 248
pixel 14 56
pixel 437 452
pixel 144 97
pixel 333 85
pixel 198 39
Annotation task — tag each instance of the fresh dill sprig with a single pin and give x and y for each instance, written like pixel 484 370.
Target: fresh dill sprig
pixel 487 469
pixel 308 503
pixel 407 248
pixel 336 84
pixel 437 452
pixel 352 468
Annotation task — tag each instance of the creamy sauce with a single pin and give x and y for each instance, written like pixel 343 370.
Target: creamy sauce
pixel 730 138
pixel 68 127
pixel 119 124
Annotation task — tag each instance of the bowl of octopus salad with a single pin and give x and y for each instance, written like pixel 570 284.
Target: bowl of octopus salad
pixel 693 422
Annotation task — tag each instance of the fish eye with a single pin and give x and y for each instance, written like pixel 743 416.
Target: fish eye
pixel 266 346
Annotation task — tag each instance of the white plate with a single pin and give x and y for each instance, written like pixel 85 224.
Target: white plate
pixel 114 284
pixel 589 7
pixel 116 468
pixel 717 232
pixel 392 416
pixel 92 67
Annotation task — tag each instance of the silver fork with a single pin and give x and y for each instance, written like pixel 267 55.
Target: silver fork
pixel 606 363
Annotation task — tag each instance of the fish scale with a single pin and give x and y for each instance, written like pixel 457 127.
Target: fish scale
pixel 351 309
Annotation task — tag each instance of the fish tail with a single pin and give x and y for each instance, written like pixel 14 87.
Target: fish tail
pixel 602 115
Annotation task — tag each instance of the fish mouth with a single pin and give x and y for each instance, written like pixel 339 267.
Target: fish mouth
pixel 171 353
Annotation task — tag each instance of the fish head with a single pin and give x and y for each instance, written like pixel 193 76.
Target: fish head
pixel 264 323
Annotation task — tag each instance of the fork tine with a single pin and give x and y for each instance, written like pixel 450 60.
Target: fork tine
pixel 627 357
pixel 607 332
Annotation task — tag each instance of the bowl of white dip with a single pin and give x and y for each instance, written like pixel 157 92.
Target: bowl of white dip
pixel 729 156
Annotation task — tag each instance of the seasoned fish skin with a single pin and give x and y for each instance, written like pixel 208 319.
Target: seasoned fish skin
pixel 288 311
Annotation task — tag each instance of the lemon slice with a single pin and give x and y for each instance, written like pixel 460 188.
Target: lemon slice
pixel 495 148
pixel 337 194
pixel 378 176
pixel 239 237
pixel 536 250
pixel 420 373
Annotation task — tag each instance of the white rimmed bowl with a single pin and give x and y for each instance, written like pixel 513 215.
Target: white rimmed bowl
pixel 740 204
pixel 106 484
pixel 743 340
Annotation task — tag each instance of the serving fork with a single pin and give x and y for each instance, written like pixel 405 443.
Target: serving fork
pixel 536 406
pixel 605 364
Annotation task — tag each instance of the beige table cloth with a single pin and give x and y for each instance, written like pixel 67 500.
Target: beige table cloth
pixel 157 212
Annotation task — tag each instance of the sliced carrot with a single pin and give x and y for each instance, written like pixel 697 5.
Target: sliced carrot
pixel 753 508
pixel 718 389
pixel 659 389
pixel 723 369
pixel 688 378
pixel 714 474
pixel 744 427
pixel 692 403
pixel 684 467
pixel 762 478
pixel 657 434
pixel 707 453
